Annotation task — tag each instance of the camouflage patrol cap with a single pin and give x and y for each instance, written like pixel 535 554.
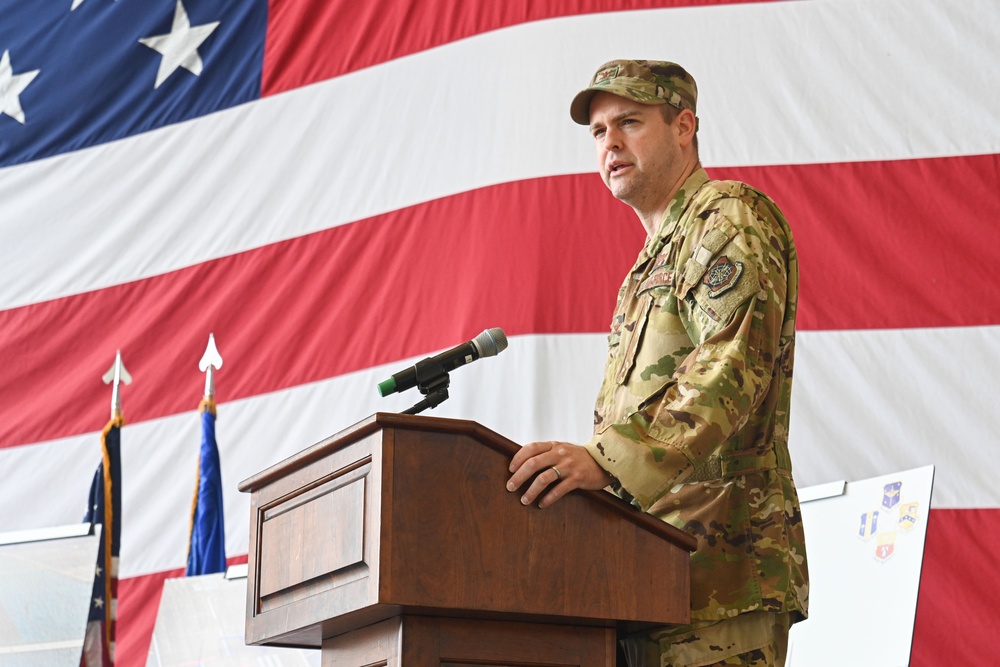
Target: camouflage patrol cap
pixel 644 81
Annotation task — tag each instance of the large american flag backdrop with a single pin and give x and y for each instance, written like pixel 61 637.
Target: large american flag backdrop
pixel 337 188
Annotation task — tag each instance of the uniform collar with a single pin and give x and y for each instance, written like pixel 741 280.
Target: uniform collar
pixel 655 243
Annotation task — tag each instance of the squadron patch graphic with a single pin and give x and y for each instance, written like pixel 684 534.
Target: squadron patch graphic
pixel 889 523
pixel 722 276
pixel 886 547
pixel 869 525
pixel 890 495
pixel 908 515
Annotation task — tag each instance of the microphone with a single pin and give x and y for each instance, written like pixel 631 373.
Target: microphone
pixel 490 343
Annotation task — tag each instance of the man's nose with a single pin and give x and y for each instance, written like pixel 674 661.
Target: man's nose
pixel 612 140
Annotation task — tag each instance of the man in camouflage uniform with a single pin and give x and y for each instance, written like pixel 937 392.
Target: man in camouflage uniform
pixel 691 422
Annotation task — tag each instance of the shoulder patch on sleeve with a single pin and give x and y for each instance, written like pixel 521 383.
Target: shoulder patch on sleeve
pixel 702 257
pixel 727 283
pixel 722 276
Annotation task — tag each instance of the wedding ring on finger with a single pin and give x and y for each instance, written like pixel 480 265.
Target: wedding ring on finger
pixel 556 471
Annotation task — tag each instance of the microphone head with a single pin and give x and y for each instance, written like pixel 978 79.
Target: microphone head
pixel 491 342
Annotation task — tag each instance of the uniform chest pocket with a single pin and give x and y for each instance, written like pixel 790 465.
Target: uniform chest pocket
pixel 654 292
pixel 633 324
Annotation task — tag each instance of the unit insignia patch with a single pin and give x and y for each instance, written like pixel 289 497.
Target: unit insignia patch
pixel 722 276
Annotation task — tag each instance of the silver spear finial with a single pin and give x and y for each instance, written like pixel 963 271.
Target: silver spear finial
pixel 210 361
pixel 117 374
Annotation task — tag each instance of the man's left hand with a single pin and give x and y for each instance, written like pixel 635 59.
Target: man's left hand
pixel 564 467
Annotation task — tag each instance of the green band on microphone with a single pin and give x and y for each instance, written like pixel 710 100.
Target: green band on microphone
pixel 386 387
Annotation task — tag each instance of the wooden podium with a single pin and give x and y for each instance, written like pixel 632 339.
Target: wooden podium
pixel 395 543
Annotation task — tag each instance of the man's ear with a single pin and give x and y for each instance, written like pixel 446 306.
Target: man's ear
pixel 687 125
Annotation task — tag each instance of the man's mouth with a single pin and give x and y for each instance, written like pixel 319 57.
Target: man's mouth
pixel 615 167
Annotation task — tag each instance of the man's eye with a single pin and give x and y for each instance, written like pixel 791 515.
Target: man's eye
pixel 598 133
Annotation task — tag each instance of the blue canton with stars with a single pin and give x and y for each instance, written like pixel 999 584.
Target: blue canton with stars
pixel 76 73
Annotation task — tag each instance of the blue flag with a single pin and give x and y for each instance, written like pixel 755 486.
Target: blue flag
pixel 207 544
pixel 105 508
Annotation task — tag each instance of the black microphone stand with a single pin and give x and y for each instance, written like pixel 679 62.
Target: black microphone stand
pixel 432 381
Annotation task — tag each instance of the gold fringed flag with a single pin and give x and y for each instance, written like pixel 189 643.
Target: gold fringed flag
pixel 105 508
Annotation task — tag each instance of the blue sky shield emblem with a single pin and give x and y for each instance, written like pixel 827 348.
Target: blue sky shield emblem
pixel 890 495
pixel 869 525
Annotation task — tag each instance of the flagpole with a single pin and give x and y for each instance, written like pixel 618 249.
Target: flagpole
pixel 206 538
pixel 104 507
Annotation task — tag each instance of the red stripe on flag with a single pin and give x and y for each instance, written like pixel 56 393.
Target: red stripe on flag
pixel 138 604
pixel 313 41
pixel 532 257
pixel 893 244
pixel 329 303
pixel 957 618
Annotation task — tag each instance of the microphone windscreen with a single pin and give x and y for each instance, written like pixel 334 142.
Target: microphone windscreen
pixel 491 342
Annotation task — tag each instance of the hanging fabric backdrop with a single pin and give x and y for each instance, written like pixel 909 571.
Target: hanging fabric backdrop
pixel 335 189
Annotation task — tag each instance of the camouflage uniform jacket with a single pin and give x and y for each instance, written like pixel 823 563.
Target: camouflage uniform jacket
pixel 692 416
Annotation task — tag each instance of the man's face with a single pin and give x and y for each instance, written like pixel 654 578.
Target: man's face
pixel 638 153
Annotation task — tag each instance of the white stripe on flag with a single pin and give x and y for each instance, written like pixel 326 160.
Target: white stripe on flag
pixel 857 81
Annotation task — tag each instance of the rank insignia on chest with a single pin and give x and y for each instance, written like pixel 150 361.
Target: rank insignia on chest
pixel 722 276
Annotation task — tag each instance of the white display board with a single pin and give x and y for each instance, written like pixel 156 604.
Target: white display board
pixel 202 621
pixel 46 581
pixel 865 543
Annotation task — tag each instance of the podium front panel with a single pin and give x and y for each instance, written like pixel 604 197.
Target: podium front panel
pixel 404 515
pixel 315 534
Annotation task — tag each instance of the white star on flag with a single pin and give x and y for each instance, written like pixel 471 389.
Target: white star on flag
pixel 11 87
pixel 179 47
